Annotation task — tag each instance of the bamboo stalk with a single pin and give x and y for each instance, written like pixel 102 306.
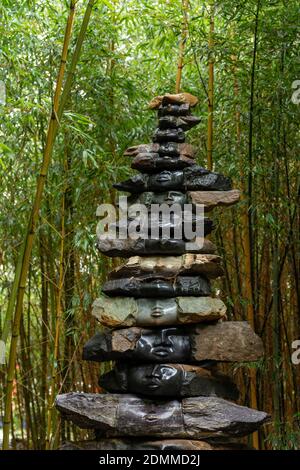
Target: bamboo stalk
pixel 50 139
pixel 46 159
pixel 248 221
pixel 246 245
pixel 54 368
pixel 182 43
pixel 276 330
pixel 44 351
pixel 211 62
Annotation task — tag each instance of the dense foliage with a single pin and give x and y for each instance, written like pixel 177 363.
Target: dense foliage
pixel 130 55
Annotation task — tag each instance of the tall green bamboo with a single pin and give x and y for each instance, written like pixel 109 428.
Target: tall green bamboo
pixel 211 63
pixel 182 44
pixel 56 114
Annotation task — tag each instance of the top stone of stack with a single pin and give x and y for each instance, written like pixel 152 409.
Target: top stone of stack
pixel 177 99
pixel 168 163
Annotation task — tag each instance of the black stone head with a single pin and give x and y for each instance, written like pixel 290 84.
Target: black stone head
pixel 167 344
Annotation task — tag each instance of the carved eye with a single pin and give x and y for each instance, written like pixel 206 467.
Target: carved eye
pixel 168 371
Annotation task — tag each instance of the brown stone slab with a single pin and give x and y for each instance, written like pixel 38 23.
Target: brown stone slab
pixel 226 341
pixel 170 149
pixel 129 415
pixel 212 199
pixel 170 266
pixel 153 163
pixel 120 312
pixel 178 98
pixel 175 122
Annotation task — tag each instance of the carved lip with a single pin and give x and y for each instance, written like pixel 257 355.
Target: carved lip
pixel 151 417
pixel 162 178
pixel 152 385
pixel 169 198
pixel 156 312
pixel 162 352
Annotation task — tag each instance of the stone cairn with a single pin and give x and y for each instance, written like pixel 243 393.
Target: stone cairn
pixel 161 325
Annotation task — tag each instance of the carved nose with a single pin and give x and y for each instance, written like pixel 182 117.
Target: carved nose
pixel 165 338
pixel 156 372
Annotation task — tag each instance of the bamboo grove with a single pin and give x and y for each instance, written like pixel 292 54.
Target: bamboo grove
pixel 74 77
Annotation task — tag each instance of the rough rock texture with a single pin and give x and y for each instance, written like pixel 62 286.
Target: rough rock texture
pixel 232 341
pixel 128 415
pixel 178 98
pixel 167 149
pixel 166 135
pixel 154 163
pixel 174 110
pixel 200 309
pixel 158 287
pixel 194 178
pixel 212 199
pixel 170 266
pixel 118 312
pixel 223 341
pixel 168 380
pixel 174 122
pixel 140 444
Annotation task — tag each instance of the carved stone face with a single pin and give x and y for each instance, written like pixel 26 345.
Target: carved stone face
pixel 174 197
pixel 147 198
pixel 190 285
pixel 168 148
pixel 166 179
pixel 159 379
pixel 167 344
pixel 156 312
pixel 157 287
pixel 154 416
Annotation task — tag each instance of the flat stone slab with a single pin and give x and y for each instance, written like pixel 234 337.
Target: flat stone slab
pixel 154 163
pixel 229 341
pixel 209 199
pixel 158 287
pixel 194 178
pixel 212 199
pixel 172 149
pixel 168 225
pixel 120 312
pixel 174 122
pixel 129 415
pixel 170 109
pixel 111 246
pixel 170 266
pixel 168 380
pixel 178 98
pixel 140 444
pixel 169 135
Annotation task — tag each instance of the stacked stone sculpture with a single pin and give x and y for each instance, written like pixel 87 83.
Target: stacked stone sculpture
pixel 158 318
